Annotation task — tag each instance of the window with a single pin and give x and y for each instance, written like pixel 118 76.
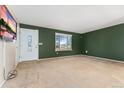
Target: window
pixel 63 42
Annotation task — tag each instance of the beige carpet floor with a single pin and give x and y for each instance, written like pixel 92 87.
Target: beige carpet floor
pixel 68 72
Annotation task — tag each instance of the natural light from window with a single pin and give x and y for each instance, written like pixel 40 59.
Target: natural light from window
pixel 63 42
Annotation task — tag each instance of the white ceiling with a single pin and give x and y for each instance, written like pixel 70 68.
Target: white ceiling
pixel 71 18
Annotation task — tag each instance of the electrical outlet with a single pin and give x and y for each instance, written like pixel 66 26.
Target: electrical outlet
pixel 86 51
pixel 57 53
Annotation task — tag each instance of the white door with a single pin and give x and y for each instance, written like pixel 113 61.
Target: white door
pixel 29 44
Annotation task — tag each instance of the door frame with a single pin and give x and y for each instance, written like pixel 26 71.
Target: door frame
pixel 20 60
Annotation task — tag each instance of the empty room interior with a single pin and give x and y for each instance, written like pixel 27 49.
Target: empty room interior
pixel 61 46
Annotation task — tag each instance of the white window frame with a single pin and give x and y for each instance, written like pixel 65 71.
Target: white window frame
pixel 69 49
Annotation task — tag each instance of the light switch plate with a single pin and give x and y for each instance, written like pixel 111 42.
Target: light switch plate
pixel 40 44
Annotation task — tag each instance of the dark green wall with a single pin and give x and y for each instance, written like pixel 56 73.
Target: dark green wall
pixel 106 43
pixel 47 37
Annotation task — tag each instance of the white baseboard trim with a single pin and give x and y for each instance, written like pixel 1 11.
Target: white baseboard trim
pixel 2 83
pixel 58 57
pixel 79 55
pixel 51 58
pixel 104 59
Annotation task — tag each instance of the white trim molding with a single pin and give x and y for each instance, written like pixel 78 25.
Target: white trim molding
pixel 2 83
pixel 59 57
pixel 104 58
